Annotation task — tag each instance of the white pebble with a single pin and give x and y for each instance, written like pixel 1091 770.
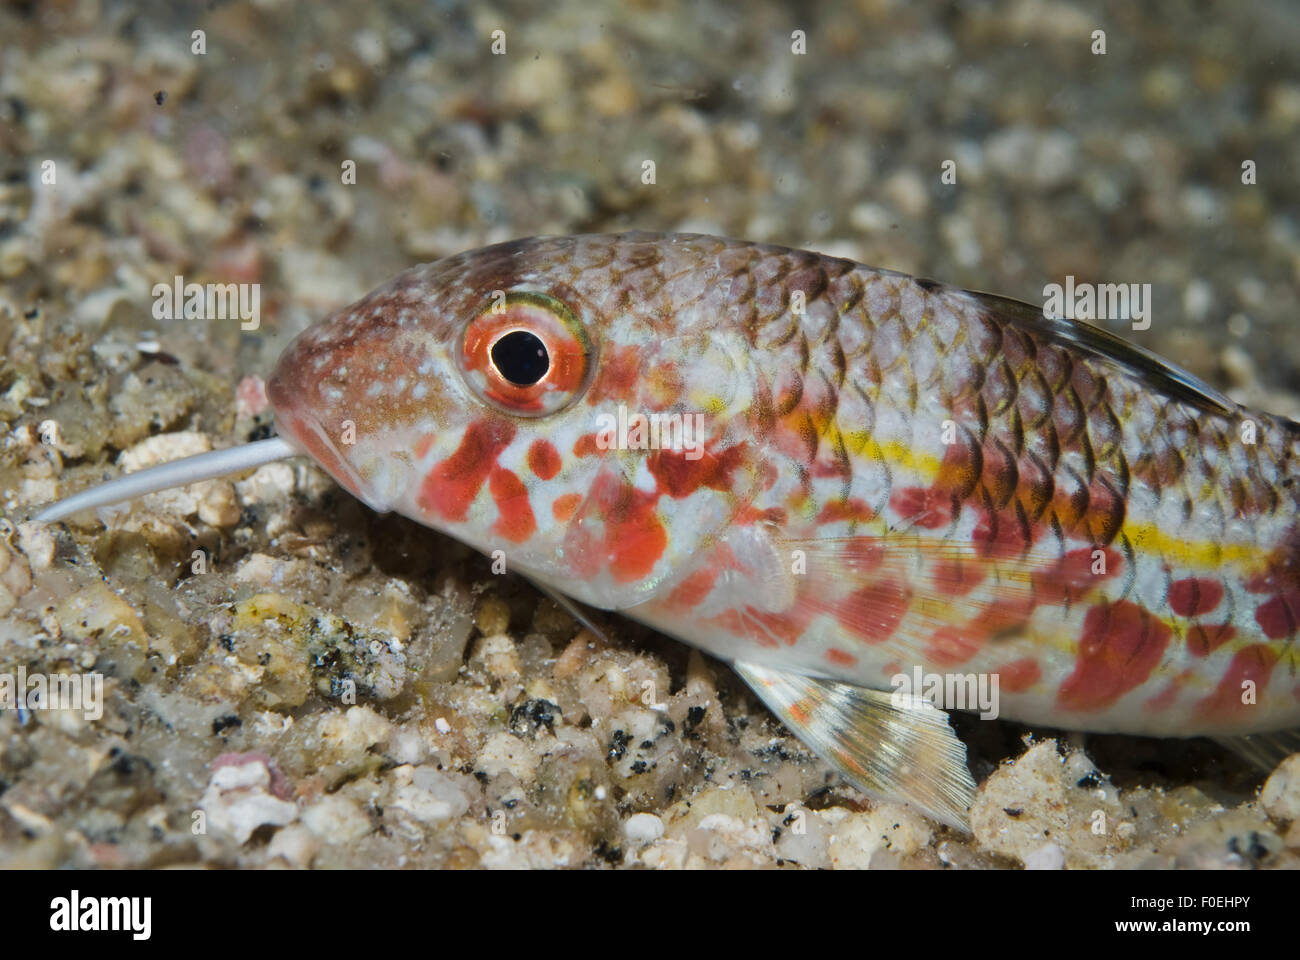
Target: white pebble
pixel 1047 857
pixel 643 828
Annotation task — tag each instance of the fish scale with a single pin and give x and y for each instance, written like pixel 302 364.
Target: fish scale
pixel 891 474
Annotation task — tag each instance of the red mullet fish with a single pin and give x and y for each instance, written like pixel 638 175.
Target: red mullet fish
pixel 875 496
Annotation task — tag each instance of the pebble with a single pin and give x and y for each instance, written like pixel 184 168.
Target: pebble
pixel 1281 793
pixel 295 844
pixel 428 794
pixel 354 731
pixel 643 828
pixel 1049 856
pixel 1025 803
pixel 1028 157
pixel 506 753
pixel 238 800
pixel 212 500
pixel 498 655
pixel 492 617
pixel 336 819
pixel 271 483
pixel 891 827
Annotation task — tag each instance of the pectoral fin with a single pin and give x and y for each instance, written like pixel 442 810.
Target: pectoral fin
pixel 582 614
pixel 900 752
pixel 1263 750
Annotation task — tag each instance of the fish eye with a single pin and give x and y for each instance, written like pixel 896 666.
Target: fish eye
pixel 525 353
pixel 521 357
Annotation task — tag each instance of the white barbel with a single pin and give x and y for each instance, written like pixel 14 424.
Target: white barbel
pixel 175 473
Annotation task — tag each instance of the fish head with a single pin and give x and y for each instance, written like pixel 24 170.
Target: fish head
pixel 514 398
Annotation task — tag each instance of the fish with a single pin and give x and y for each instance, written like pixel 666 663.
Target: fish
pixel 868 493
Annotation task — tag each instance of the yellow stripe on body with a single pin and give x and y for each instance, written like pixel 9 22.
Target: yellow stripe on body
pixel 1197 554
pixel 1200 555
pixel 1145 537
pixel 895 453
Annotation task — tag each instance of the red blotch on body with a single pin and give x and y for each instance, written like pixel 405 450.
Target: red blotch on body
pixel 841 658
pixel 452 485
pixel 1003 533
pixel 1004 615
pixel 929 508
pixel 619 372
pixel 735 623
pixel 586 446
pixel 1194 595
pixel 842 511
pixel 1277 616
pixel 1121 644
pixel 1254 663
pixel 831 468
pixel 516 521
pixel 787 627
pixel 679 477
pixel 1072 576
pixel 633 538
pixel 691 592
pixel 861 555
pixel 1204 639
pixel 874 612
pixel 749 514
pixel 543 459
pixel 766 628
pixel 565 506
pixel 637 541
pixel 956 578
pixel 1165 698
pixel 950 646
pixel 1019 675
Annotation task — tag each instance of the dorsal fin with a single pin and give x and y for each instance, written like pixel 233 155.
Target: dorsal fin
pixel 1138 361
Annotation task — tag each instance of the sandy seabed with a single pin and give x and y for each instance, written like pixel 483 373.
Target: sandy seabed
pixel 487 727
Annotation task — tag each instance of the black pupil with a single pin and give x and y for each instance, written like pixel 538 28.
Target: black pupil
pixel 521 357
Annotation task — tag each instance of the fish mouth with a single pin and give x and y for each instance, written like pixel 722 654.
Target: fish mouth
pixel 305 433
pixel 297 403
